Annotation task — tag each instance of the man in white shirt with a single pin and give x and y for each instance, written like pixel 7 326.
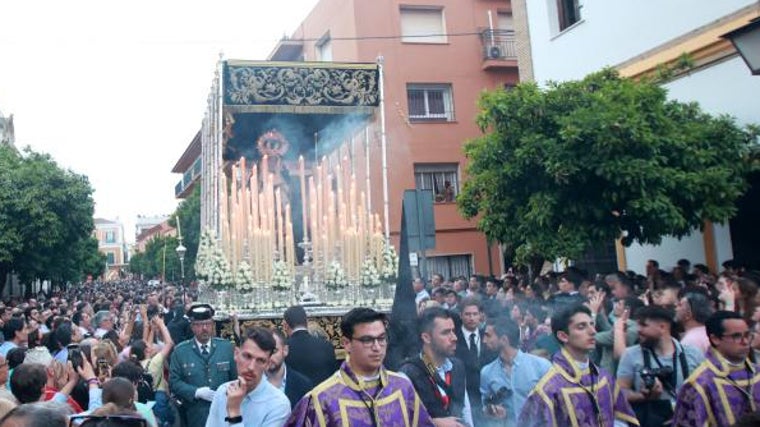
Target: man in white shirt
pixel 251 400
pixel 421 293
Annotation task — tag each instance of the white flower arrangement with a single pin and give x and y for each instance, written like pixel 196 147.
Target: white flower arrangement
pixel 281 278
pixel 336 276
pixel 370 277
pixel 389 271
pixel 218 272
pixel 244 278
pixel 202 260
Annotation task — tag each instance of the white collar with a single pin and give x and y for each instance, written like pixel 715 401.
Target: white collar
pixel 466 332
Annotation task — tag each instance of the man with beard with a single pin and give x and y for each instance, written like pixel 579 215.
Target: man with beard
pixel 200 365
pixel 362 393
pixel 506 382
pixel 651 372
pixel 726 386
pixel 575 391
pixel 251 400
pixel 291 382
pixel 438 377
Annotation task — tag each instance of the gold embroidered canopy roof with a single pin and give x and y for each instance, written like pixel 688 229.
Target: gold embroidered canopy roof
pixel 300 87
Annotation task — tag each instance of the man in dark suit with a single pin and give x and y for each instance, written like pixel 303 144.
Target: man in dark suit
pixel 472 351
pixel 311 355
pixel 293 383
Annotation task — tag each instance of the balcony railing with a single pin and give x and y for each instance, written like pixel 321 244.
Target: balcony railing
pixel 188 178
pixel 498 44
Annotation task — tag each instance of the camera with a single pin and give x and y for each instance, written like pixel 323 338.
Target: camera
pixel 495 398
pixel 649 375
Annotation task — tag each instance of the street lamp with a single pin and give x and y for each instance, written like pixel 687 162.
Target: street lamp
pixel 181 254
pixel 746 40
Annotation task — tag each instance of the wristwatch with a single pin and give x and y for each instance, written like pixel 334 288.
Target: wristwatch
pixel 234 420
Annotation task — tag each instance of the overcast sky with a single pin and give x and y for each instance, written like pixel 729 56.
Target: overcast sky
pixel 116 91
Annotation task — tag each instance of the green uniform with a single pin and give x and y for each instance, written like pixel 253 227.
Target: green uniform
pixel 189 370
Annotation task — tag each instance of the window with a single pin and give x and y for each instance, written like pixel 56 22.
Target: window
pixel 504 21
pixel 450 266
pixel 430 102
pixel 442 178
pixel 422 25
pixel 110 258
pixel 110 237
pixel 324 49
pixel 568 12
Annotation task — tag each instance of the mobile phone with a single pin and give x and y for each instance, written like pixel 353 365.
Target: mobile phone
pixel 103 367
pixel 75 356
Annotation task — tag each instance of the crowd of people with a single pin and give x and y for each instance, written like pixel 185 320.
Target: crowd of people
pixel 673 347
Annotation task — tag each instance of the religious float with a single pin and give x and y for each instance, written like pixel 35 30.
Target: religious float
pixel 287 212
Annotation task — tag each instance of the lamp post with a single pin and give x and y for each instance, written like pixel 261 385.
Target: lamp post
pixel 181 252
pixel 746 40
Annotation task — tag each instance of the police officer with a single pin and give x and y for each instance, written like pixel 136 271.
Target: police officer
pixel 200 365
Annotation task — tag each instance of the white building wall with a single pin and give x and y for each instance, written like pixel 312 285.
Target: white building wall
pixel 611 32
pixel 724 88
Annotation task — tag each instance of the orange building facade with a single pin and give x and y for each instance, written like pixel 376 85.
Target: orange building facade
pixel 437 56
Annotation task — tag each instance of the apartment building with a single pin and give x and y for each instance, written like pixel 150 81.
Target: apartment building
pixel 437 57
pixel 110 235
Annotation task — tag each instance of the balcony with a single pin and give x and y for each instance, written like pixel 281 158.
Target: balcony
pixel 185 185
pixel 499 49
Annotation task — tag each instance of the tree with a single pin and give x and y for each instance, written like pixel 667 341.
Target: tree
pixel 189 213
pixel 581 162
pixel 153 263
pixel 46 219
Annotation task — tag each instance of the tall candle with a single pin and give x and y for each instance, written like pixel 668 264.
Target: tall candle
pixel 279 224
pixel 302 171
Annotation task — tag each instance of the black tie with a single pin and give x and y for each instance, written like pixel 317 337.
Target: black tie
pixel 204 350
pixel 473 346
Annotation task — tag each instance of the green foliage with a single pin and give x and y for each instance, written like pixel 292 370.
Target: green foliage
pixel 159 259
pixel 581 162
pixel 45 219
pixel 189 212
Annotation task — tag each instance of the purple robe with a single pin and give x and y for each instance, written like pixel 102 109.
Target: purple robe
pixel 342 400
pixel 717 393
pixel 562 398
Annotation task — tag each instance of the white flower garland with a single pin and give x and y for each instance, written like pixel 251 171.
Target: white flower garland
pixel 281 279
pixel 336 276
pixel 244 278
pixel 370 277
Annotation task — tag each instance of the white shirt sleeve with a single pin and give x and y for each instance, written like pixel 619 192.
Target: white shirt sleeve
pixel 467 410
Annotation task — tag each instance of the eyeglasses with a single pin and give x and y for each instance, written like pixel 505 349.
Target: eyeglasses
pixel 738 336
pixel 123 420
pixel 367 341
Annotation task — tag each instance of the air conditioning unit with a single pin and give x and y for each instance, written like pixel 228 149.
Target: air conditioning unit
pixel 494 52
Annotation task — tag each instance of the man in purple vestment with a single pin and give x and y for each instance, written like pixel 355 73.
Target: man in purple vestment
pixel 575 392
pixel 362 393
pixel 727 384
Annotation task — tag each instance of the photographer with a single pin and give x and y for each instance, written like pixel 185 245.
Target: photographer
pixel 651 372
pixel 506 382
